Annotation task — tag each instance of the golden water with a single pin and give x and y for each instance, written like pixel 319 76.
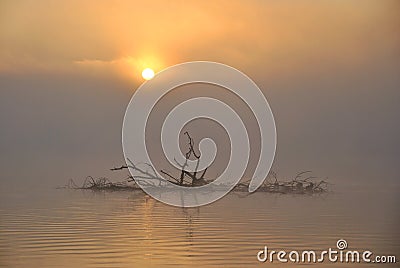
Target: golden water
pixel 67 228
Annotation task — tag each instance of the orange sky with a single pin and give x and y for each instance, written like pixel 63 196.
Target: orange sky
pixel 329 69
pixel 123 37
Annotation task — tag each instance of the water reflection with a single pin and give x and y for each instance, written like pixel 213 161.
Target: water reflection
pixel 123 229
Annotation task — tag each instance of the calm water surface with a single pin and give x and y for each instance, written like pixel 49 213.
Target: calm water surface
pixel 67 228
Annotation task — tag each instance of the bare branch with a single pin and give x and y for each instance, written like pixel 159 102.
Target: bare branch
pixel 191 149
pixel 204 173
pixel 300 174
pixel 169 175
pixel 119 168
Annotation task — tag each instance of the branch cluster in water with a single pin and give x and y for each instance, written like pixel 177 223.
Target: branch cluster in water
pixel 145 175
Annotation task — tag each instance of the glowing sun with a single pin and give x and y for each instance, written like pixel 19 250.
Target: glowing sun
pixel 148 73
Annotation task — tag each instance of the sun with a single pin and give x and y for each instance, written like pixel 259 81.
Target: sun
pixel 148 73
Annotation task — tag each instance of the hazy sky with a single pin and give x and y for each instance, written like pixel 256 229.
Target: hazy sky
pixel 330 70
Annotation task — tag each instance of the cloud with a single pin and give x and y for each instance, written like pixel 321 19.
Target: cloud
pixel 121 38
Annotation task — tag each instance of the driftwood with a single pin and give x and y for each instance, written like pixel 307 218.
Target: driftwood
pixel 101 184
pixel 145 175
pixel 185 178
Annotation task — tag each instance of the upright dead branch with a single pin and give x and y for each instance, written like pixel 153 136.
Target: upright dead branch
pixel 301 183
pixel 194 179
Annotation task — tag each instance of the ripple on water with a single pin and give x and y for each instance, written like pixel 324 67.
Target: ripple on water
pixel 124 230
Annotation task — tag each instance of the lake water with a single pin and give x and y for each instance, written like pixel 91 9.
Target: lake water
pixel 74 228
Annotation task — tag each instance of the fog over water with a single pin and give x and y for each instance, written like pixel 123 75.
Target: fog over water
pixel 329 70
